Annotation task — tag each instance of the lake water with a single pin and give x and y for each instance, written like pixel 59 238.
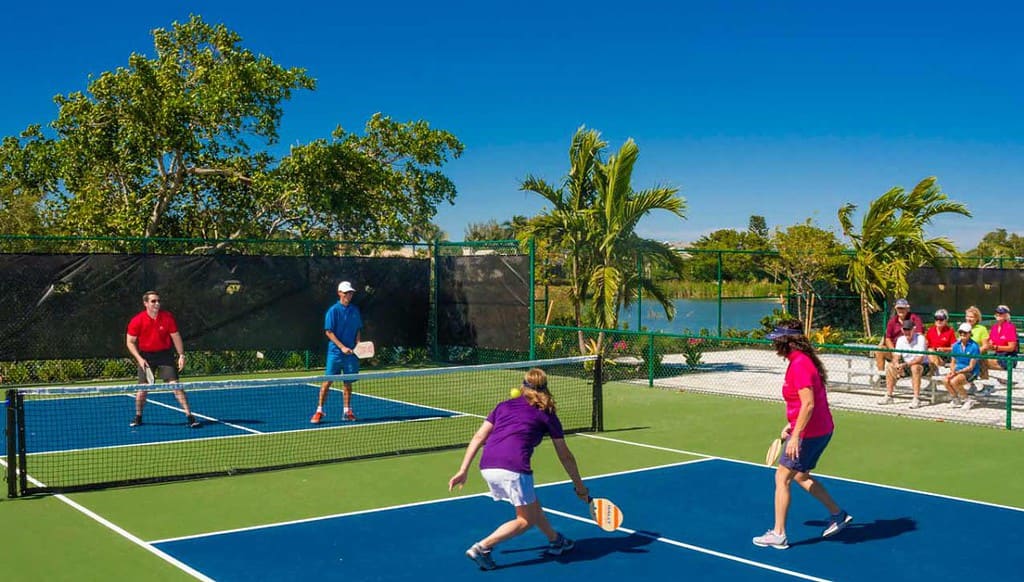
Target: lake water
pixel 694 314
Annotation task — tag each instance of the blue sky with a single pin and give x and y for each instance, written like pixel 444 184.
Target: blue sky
pixel 782 109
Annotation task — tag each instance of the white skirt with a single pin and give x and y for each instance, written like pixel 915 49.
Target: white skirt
pixel 516 488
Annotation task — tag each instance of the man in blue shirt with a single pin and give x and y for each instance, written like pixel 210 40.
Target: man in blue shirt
pixel 342 325
pixel 963 368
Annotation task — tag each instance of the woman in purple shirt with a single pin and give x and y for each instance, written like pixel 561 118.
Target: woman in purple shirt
pixel 806 434
pixel 512 431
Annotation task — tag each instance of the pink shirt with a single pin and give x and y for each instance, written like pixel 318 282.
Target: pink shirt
pixel 801 374
pixel 1002 333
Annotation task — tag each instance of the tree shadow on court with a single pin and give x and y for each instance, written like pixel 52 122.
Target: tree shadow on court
pixel 586 549
pixel 856 533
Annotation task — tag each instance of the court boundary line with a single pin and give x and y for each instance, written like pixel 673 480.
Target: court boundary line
pixel 452 413
pixel 698 549
pixel 123 532
pixel 836 477
pixel 456 497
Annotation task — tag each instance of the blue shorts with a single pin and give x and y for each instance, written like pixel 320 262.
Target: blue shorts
pixel 342 364
pixel 810 451
pixel 972 375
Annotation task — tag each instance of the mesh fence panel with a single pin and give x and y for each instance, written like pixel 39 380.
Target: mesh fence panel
pixel 750 368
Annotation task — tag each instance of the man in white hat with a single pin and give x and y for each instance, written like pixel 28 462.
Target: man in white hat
pixel 343 325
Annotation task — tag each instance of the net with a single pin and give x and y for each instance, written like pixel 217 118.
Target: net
pixel 78 438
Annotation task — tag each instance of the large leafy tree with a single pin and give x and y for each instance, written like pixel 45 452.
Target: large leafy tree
pixel 808 257
pixel 177 144
pixel 592 223
pixel 891 241
pixel 742 254
pixel 998 244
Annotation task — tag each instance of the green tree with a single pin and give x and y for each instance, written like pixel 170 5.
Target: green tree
pixel 891 241
pixel 998 244
pixel 808 257
pixel 593 222
pixel 492 230
pixel 739 256
pixel 177 145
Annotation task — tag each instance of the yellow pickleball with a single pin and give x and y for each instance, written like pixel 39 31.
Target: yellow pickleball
pixel 515 393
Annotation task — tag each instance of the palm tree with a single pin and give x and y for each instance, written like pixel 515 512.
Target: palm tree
pixel 618 209
pixel 592 222
pixel 891 241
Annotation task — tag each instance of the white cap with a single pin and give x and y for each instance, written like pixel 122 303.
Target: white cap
pixel 345 287
pixel 965 327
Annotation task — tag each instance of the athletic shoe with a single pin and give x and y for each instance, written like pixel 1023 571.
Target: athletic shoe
pixel 886 400
pixel 987 390
pixel 349 415
pixel 482 558
pixel 136 421
pixel 969 404
pixel 771 539
pixel 192 422
pixel 560 546
pixel 971 389
pixel 915 403
pixel 317 417
pixel 836 524
pixel 955 403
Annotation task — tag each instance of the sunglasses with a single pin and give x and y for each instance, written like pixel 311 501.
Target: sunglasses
pixel 154 301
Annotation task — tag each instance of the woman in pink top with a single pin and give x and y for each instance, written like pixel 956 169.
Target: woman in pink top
pixel 511 432
pixel 806 434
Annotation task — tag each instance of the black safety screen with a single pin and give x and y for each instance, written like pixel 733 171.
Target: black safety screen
pixel 958 289
pixel 484 301
pixel 56 306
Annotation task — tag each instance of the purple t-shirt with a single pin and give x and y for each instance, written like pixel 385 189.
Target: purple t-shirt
pixel 518 429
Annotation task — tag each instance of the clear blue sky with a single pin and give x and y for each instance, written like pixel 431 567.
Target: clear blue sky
pixel 782 109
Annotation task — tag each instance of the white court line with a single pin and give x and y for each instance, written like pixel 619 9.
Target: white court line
pixel 847 479
pixel 124 533
pixel 400 506
pixel 453 413
pixel 694 548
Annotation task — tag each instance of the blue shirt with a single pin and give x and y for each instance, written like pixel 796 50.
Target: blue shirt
pixel 969 352
pixel 344 323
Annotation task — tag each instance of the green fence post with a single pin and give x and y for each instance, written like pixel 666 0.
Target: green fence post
pixel 533 299
pixel 719 293
pixel 1010 363
pixel 639 292
pixel 650 360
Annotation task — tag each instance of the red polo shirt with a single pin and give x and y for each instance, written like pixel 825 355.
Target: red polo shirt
pixel 154 334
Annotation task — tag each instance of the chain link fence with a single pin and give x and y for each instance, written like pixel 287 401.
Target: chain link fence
pixel 750 368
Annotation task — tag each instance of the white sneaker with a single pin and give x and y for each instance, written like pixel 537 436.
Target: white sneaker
pixel 955 403
pixel 969 404
pixel 886 400
pixel 915 403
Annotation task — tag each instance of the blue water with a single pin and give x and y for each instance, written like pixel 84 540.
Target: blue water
pixel 692 315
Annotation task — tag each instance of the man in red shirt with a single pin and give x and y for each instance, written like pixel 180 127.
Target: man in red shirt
pixel 150 335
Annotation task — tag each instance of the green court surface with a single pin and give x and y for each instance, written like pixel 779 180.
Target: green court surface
pixel 46 538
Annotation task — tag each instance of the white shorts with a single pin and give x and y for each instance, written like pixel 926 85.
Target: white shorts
pixel 516 488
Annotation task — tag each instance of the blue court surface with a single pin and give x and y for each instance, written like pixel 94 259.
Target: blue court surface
pixel 687 521
pixel 102 421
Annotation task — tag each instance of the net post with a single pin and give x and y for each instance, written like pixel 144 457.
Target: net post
pixel 597 420
pixel 19 400
pixel 12 448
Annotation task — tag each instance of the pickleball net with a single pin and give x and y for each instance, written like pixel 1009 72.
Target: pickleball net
pixel 64 439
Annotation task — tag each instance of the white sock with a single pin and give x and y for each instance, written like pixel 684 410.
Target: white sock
pixel 319 408
pixel 347 409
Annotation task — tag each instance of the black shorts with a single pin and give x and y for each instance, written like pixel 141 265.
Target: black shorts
pixel 163 365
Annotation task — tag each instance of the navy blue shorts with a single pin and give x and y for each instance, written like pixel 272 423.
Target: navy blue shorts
pixel 810 451
pixel 342 364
